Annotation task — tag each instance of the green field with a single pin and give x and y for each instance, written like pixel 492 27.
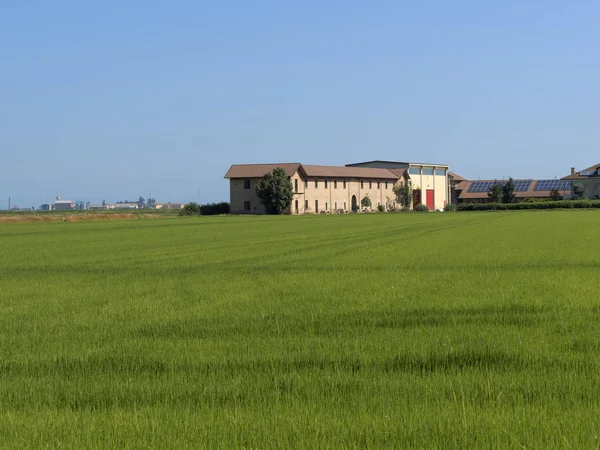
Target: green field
pixel 470 330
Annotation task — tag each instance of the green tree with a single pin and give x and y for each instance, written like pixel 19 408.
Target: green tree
pixel 275 191
pixel 403 192
pixel 578 192
pixel 555 195
pixel 508 191
pixel 495 192
pixel 366 202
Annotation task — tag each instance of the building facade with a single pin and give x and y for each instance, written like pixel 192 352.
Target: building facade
pixel 340 189
pixel 586 182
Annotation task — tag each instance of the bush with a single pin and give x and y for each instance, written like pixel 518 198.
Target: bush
pixel 190 209
pixel 450 207
pixel 562 204
pixel 405 209
pixel 380 208
pixel 212 209
pixel 421 208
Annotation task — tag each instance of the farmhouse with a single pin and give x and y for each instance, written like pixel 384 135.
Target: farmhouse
pixel 587 180
pixel 337 189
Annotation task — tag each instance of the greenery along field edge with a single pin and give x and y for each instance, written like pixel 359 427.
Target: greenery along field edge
pixel 563 204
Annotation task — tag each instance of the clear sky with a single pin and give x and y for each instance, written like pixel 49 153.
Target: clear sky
pixel 115 99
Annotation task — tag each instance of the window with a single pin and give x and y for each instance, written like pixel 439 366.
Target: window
pixel 305 184
pixel 335 184
pixel 325 184
pixel 296 186
pixel 427 171
pixel 296 206
pixel 326 207
pixel 316 184
pixel 362 184
pixel 246 206
pixel 378 185
pixel 335 206
pixel 344 185
pixel 344 206
pixel 386 184
pixel 440 172
pixel 305 205
pixel 316 205
pixel 414 171
pixel 246 184
pixel 370 185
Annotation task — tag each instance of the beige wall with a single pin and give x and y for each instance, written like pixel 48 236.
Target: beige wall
pixel 329 198
pixel 424 182
pixel 332 198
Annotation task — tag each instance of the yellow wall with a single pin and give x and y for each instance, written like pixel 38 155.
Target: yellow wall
pixel 438 183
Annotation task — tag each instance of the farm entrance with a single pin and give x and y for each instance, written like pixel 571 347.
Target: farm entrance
pixel 354 203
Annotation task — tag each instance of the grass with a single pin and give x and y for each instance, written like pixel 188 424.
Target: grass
pixel 383 330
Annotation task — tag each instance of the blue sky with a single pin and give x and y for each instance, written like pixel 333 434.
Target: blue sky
pixel 118 99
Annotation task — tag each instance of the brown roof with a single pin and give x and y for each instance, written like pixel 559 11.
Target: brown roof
pixel 456 177
pixel 259 170
pixel 462 185
pixel 594 173
pixel 348 172
pixel 400 173
pixel 530 193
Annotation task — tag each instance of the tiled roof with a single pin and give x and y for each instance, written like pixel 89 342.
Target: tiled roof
pixel 259 170
pixel 585 174
pixel 456 177
pixel 348 172
pixel 529 193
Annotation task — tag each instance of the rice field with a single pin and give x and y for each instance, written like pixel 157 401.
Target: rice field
pixel 454 330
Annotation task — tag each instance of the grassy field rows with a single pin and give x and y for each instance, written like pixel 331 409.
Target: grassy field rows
pixel 383 330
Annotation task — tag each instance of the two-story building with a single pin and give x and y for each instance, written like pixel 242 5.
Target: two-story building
pixel 335 189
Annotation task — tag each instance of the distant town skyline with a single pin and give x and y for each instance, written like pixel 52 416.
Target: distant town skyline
pixel 110 100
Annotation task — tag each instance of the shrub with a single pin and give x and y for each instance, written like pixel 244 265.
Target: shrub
pixel 190 209
pixel 212 209
pixel 450 207
pixel 562 204
pixel 421 208
pixel 380 208
pixel 405 209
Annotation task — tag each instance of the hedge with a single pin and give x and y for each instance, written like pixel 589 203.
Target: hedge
pixel 560 204
pixel 212 209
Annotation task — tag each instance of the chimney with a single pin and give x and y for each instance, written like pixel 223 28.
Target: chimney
pixel 572 170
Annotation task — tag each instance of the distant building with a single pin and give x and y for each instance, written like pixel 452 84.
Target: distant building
pixel 63 205
pixel 126 206
pixel 168 205
pixel 98 206
pixel 45 207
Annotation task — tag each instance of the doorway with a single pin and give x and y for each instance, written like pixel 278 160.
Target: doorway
pixel 354 204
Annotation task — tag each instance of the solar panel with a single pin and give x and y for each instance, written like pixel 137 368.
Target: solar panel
pixel 484 186
pixel 548 185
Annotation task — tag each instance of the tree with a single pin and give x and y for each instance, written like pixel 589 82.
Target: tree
pixel 150 202
pixel 508 191
pixel 555 195
pixel 578 191
pixel 103 202
pixel 495 192
pixel 141 201
pixel 366 202
pixel 404 193
pixel 275 191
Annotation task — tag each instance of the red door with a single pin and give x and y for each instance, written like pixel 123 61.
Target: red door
pixel 430 199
